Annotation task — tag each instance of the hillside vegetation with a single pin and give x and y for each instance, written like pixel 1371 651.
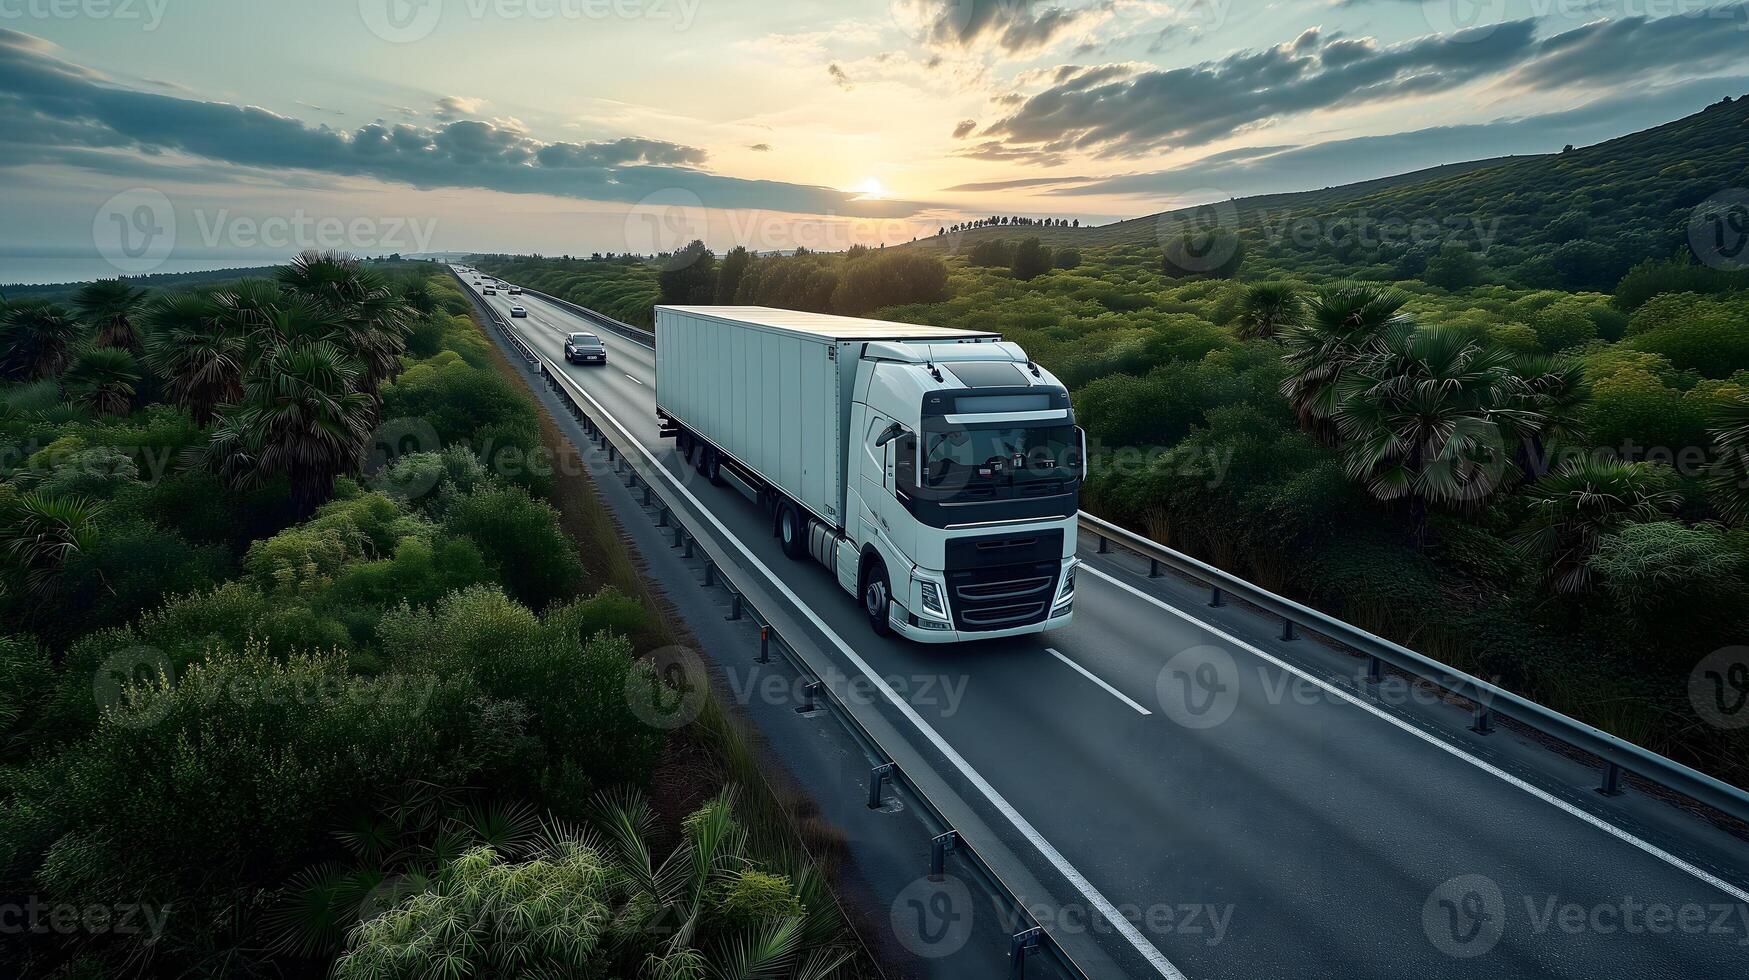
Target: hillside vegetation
pixel 1573 220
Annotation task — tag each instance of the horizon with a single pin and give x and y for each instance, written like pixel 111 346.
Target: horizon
pixel 578 126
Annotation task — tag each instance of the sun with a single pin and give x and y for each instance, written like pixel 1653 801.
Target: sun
pixel 870 190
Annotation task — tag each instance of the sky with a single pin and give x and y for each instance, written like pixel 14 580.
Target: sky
pixel 160 135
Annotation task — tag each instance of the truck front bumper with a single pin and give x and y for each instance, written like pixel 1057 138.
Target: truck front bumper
pixel 905 625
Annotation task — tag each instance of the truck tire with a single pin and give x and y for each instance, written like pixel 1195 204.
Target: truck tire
pixel 877 598
pixel 792 530
pixel 710 466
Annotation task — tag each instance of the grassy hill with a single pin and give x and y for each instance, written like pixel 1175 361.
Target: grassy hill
pixel 1571 220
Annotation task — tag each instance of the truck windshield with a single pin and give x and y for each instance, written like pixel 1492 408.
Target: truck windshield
pixel 979 462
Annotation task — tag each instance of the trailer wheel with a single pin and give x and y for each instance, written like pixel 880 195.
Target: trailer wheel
pixel 792 530
pixel 710 465
pixel 877 597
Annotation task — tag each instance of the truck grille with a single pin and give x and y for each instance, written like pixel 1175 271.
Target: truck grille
pixel 1002 596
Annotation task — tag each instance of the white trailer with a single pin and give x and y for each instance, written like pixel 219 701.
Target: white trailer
pixel 936 471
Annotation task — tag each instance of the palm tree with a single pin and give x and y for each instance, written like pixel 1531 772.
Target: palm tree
pixel 1417 413
pixel 302 416
pixel 109 305
pixel 36 340
pixel 1541 407
pixel 45 532
pixel 103 379
pixel 1575 506
pixel 1336 329
pixel 375 320
pixel 199 354
pixel 1267 309
pixel 1729 481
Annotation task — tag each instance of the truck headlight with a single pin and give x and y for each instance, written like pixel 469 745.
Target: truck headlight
pixel 932 603
pixel 1067 592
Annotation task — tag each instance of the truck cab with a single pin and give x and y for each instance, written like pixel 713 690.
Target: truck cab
pixel 966 490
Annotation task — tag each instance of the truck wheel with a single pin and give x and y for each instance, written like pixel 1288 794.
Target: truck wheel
pixel 710 465
pixel 877 598
pixel 792 531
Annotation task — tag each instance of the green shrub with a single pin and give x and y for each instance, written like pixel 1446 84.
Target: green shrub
pixel 522 539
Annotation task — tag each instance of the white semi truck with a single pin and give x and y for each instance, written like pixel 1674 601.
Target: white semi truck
pixel 936 472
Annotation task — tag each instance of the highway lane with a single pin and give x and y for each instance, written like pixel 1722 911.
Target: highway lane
pixel 1302 835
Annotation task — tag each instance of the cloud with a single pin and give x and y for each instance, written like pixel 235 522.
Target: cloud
pixel 1094 112
pixel 760 148
pixel 1010 27
pixel 452 107
pixel 50 104
pixel 1126 113
pixel 1273 169
pixel 839 78
pixel 964 128
pixel 1685 44
pixel 1009 185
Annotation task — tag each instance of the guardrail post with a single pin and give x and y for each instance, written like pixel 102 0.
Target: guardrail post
pixel 689 541
pixel 938 848
pixel 1611 780
pixel 1375 670
pixel 710 573
pixel 679 532
pixel 877 777
pixel 1153 568
pixel 1104 545
pixel 1216 600
pixel 1484 720
pixel 647 494
pixel 765 644
pixel 1019 945
pixel 661 517
pixel 734 607
pixel 1288 634
pixel 807 706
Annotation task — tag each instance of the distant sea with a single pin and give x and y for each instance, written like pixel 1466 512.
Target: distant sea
pixel 16 271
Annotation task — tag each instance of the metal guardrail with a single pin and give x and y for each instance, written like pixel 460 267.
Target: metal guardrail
pixel 612 439
pixel 1617 755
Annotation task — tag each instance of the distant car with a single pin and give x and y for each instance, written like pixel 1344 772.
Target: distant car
pixel 585 348
pixel 518 311
pixel 516 290
pixel 490 291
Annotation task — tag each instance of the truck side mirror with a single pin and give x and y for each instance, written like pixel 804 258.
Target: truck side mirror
pixel 891 432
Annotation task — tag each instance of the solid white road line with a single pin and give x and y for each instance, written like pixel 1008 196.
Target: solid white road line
pixel 1056 859
pixel 1444 746
pixel 1084 672
pixel 633 379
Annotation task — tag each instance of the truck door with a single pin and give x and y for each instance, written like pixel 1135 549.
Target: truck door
pixel 874 486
